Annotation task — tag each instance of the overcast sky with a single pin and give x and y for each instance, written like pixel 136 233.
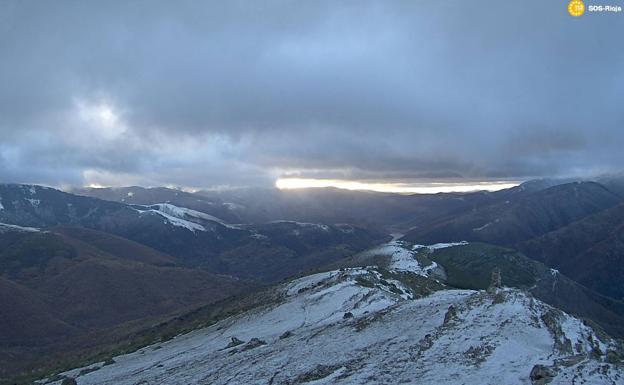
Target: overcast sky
pixel 205 93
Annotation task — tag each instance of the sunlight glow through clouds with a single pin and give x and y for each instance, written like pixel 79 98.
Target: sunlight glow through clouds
pixel 100 119
pixel 403 188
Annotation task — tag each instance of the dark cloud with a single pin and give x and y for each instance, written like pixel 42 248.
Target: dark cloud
pixel 239 93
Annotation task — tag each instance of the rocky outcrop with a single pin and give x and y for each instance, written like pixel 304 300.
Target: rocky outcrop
pixel 541 375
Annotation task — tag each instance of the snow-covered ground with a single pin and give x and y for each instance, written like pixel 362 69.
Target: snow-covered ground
pixel 348 327
pixel 402 259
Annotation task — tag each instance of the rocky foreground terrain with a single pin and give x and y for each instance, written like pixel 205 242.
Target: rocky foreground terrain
pixel 377 325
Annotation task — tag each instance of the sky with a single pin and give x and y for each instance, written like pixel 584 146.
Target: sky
pixel 204 94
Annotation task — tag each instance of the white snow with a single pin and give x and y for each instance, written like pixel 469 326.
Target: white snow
pixel 184 217
pixel 305 224
pixel 404 260
pixel 233 206
pixel 33 202
pixel 256 235
pixel 445 245
pixel 183 212
pixel 181 222
pixel 437 246
pixel 308 281
pixel 8 227
pixel 388 340
pixel 345 228
pixel 175 221
pixel 482 227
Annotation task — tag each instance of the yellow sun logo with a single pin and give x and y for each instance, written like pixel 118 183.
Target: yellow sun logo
pixel 576 8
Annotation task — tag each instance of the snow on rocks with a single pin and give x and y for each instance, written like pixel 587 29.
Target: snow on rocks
pixel 309 282
pixel 33 202
pixel 330 328
pixel 345 228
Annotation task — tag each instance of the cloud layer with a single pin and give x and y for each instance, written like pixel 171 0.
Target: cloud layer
pixel 204 94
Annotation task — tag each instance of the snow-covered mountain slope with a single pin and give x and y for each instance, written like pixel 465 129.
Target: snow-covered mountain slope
pixel 405 259
pixel 356 326
pixel 192 220
pixel 185 213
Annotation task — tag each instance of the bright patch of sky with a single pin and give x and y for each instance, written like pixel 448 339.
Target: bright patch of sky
pixel 404 188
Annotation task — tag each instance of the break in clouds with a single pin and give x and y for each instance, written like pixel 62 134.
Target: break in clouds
pixel 205 94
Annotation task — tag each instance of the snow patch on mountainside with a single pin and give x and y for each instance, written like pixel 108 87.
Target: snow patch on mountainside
pixel 345 228
pixel 305 224
pixel 175 221
pixel 184 213
pixel 437 246
pixel 33 202
pixel 4 227
pixel 482 227
pixel 406 260
pixel 233 206
pixel 341 327
pixel 192 220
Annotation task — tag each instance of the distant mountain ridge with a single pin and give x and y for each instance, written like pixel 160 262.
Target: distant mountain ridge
pixel 194 238
pixel 575 227
pixel 590 251
pixel 521 218
pixel 321 205
pixel 150 196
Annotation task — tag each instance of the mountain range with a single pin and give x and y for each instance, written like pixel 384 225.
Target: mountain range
pixel 79 272
pixel 91 272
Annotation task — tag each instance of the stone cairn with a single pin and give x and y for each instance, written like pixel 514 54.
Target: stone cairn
pixel 495 281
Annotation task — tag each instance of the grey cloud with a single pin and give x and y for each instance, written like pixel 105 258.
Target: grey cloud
pixel 236 93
